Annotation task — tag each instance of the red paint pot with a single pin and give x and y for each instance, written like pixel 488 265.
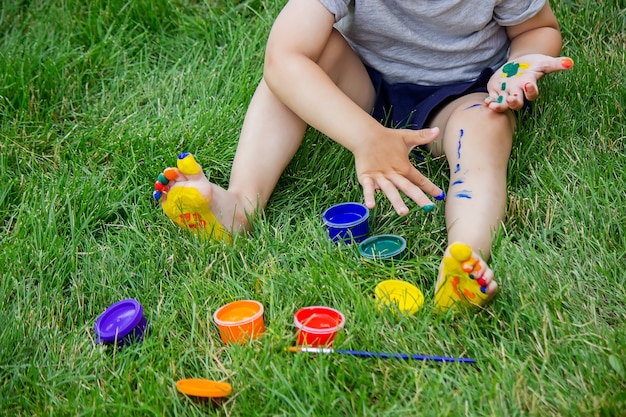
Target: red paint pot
pixel 317 325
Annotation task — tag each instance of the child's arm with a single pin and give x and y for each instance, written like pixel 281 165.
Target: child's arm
pixel 538 35
pixel 298 38
pixel 534 45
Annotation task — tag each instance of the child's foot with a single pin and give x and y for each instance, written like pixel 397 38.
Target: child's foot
pixel 185 196
pixel 464 280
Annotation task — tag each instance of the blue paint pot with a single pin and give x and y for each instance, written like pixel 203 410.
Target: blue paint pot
pixel 347 222
pixel 122 323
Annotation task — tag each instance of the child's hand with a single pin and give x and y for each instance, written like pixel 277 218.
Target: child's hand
pixel 382 163
pixel 518 79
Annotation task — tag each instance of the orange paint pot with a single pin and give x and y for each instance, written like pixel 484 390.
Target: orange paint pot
pixel 240 321
pixel 317 325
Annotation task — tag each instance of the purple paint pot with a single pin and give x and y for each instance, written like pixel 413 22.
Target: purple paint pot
pixel 347 222
pixel 122 322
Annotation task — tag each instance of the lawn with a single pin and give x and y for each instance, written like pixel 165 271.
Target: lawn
pixel 97 97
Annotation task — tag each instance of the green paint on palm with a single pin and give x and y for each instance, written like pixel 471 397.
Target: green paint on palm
pixel 511 69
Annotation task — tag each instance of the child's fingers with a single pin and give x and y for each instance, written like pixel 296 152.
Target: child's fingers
pixel 369 189
pixel 394 197
pixel 515 101
pixel 415 186
pixel 496 101
pixel 531 91
pixel 426 186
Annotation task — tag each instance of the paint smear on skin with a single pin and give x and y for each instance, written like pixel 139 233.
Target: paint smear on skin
pixel 567 63
pixel 457 182
pixel 458 168
pixel 473 105
pixel 466 195
pixel 458 149
pixel 512 69
pixel 503 86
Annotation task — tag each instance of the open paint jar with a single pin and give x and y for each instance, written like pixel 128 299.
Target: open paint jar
pixel 383 247
pixel 347 222
pixel 240 321
pixel 317 325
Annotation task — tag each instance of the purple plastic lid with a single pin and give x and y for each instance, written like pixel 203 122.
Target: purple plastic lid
pixel 118 320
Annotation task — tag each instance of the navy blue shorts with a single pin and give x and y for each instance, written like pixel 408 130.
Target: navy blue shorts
pixel 411 106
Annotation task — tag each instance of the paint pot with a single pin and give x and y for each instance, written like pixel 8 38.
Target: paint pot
pixel 399 296
pixel 121 323
pixel 347 222
pixel 383 247
pixel 317 325
pixel 240 321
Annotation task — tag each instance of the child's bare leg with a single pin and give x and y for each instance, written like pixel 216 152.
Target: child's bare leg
pixel 477 144
pixel 270 136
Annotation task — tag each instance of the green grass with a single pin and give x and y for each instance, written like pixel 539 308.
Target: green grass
pixel 97 97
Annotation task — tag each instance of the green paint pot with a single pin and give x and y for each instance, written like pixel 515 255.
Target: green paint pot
pixel 383 247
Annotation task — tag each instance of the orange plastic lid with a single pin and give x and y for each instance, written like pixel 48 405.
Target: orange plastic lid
pixel 204 388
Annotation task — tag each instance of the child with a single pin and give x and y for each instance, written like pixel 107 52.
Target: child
pixel 345 66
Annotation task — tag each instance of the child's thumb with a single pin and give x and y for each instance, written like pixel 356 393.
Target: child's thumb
pixel 558 64
pixel 422 137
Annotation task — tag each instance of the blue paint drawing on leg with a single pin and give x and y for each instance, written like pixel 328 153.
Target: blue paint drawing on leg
pixel 467 194
pixel 457 168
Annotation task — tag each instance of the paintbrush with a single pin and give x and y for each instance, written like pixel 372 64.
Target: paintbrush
pixel 382 355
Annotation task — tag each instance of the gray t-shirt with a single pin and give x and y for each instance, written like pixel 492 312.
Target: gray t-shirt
pixel 430 42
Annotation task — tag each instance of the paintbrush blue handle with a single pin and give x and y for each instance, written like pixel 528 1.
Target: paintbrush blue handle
pixel 404 356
